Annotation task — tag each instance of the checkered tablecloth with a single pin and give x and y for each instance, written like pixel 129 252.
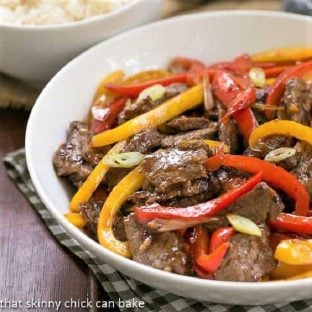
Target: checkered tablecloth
pixel 117 285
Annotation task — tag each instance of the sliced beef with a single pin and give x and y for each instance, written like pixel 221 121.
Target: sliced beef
pixel 144 142
pixel 75 159
pixel 175 168
pixel 228 132
pixel 200 191
pixel 91 213
pixel 249 259
pixel 207 133
pixel 187 123
pixel 273 142
pixel 230 178
pixel 114 176
pixel 303 170
pixel 297 100
pixel 260 204
pixel 175 89
pixel 165 251
pixel 134 109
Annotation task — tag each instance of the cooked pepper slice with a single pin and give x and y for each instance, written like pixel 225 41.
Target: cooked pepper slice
pixel 157 116
pixel 237 94
pixel 209 262
pixel 133 90
pixel 220 236
pixel 144 76
pixel 288 54
pixel 113 77
pixel 89 186
pixel 306 274
pixel 278 88
pixel 275 71
pixel 295 251
pixel 197 212
pixel 76 219
pixel 117 197
pixel 292 223
pixel 110 113
pixel 284 270
pixel 280 127
pixel 274 175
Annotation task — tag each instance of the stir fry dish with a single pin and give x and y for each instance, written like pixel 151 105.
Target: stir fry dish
pixel 200 169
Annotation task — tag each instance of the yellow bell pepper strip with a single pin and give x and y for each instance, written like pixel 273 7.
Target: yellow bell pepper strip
pixel 117 197
pixel 76 219
pixel 157 116
pixel 289 54
pixel 113 77
pixel 274 175
pixel 294 251
pixel 280 127
pixel 269 81
pixel 86 190
pixel 217 144
pixel 284 270
pixel 307 274
pixel 145 76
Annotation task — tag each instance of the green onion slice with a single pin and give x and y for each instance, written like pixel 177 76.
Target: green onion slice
pixel 257 75
pixel 155 92
pixel 123 160
pixel 280 154
pixel 264 107
pixel 243 225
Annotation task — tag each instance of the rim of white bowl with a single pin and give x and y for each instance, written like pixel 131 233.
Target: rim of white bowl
pixel 80 236
pixel 67 25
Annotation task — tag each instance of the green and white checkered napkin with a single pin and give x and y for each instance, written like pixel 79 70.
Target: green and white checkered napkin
pixel 117 285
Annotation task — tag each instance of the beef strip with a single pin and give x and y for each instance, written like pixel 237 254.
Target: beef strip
pixel 249 259
pixel 165 251
pixel 174 167
pixel 135 109
pixel 144 142
pixel 75 159
pixel 228 132
pixel 91 213
pixel 175 89
pixel 297 100
pixel 260 204
pixel 114 176
pixel 303 171
pixel 207 133
pixel 187 123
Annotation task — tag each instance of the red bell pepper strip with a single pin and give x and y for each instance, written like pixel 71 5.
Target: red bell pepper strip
pixel 292 223
pixel 209 262
pixel 237 94
pixel 220 236
pixel 275 71
pixel 133 90
pixel 111 112
pixel 195 69
pixel 242 64
pixel 277 89
pixel 274 175
pixel 145 214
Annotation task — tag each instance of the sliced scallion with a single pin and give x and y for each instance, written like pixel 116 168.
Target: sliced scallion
pixel 123 160
pixel 155 92
pixel 257 75
pixel 280 154
pixel 243 225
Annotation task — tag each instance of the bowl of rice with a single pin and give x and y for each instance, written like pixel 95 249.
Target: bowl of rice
pixel 38 37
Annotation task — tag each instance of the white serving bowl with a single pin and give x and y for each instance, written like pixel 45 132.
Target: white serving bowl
pixel 36 53
pixel 209 37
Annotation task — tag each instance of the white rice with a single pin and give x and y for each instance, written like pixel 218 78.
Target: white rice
pixel 46 12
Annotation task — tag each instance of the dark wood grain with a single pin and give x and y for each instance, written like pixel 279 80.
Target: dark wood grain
pixel 32 263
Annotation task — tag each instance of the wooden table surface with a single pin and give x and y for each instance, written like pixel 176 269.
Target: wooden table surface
pixel 33 265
